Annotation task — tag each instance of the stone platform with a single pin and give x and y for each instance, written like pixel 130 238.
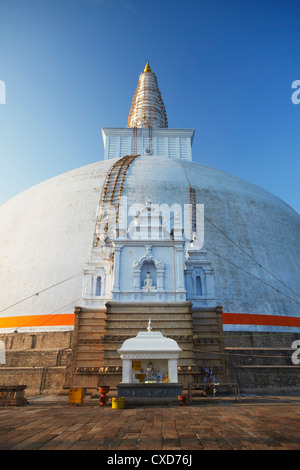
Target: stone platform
pixel 137 394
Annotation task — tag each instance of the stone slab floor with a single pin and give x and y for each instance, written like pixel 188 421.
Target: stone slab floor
pixel 53 424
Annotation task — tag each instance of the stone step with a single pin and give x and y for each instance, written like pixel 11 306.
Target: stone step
pixel 174 320
pixel 92 322
pixel 155 322
pixel 38 341
pixel 37 379
pixel 147 309
pixel 86 363
pixel 88 335
pixel 36 358
pixel 93 329
pixel 144 318
pixel 210 330
pixel 92 314
pixel 130 331
pixel 206 322
pixel 90 354
pixel 207 347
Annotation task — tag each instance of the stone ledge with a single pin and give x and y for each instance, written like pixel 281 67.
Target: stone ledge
pixel 12 395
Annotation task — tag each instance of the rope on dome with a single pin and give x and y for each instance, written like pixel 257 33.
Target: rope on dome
pixel 253 259
pixel 238 246
pixel 252 275
pixel 41 291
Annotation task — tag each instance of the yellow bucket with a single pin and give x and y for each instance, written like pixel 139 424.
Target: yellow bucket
pixel 76 395
pixel 121 403
pixel 114 403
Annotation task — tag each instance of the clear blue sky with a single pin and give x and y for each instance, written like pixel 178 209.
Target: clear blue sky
pixel 224 68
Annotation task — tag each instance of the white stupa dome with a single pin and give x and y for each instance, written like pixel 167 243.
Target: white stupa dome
pixel 46 235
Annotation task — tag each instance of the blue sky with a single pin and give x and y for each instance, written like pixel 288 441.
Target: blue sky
pixel 224 68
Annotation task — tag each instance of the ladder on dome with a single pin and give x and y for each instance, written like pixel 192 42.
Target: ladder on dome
pixel 112 192
pixel 192 211
pixel 88 347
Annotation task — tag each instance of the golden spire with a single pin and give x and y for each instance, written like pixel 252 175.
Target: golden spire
pixel 147 68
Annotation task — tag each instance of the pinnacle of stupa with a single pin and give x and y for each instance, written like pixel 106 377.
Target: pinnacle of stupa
pixel 147 108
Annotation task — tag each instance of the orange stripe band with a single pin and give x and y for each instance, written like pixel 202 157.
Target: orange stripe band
pixel 254 319
pixel 63 319
pixel 67 319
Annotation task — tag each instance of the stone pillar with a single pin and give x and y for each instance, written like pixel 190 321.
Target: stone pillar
pixel 172 371
pixel 210 290
pixel 136 277
pixel 70 369
pixel 126 371
pixel 116 287
pixel 160 271
pixel 180 269
pixel 87 284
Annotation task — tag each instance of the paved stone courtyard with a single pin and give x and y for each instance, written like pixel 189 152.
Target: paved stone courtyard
pixel 51 423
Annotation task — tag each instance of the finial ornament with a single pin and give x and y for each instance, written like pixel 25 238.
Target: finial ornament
pixel 147 68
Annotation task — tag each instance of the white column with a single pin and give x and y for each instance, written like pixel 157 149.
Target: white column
pixel 136 277
pixel 172 371
pixel 177 147
pixel 116 286
pixel 210 291
pixel 180 268
pixel 90 285
pixel 126 371
pixel 160 278
pixel 106 148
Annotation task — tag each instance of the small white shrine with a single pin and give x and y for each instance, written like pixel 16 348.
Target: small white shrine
pixel 149 358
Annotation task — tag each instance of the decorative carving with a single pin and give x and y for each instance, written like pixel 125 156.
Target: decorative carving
pixel 149 283
pixel 148 256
